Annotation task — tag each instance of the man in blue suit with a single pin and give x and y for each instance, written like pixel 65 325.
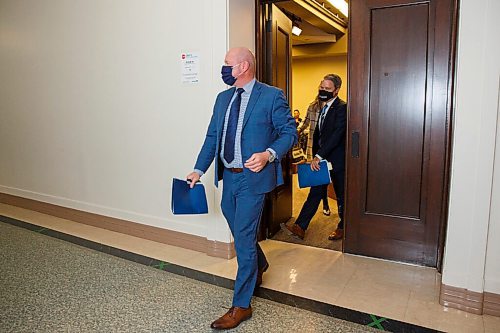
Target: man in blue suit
pixel 250 131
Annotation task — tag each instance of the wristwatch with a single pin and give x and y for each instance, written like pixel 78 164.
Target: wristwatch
pixel 271 156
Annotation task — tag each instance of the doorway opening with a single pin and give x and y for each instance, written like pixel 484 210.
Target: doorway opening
pixel 311 37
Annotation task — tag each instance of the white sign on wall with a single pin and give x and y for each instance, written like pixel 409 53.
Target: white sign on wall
pixel 190 67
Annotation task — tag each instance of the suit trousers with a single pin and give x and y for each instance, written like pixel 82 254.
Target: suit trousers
pixel 316 194
pixel 242 209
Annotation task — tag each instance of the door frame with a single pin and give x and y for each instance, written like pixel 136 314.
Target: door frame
pixel 452 76
pixel 260 54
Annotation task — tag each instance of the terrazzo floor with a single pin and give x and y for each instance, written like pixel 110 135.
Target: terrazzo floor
pixel 326 282
pixel 49 285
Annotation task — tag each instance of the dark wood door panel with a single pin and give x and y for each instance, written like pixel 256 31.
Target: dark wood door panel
pixel 408 231
pixel 397 110
pixel 282 62
pixel 399 84
pixel 379 4
pixel 410 252
pixel 278 206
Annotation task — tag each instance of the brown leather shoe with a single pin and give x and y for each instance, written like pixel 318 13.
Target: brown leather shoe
pixel 232 318
pixel 261 272
pixel 337 234
pixel 296 230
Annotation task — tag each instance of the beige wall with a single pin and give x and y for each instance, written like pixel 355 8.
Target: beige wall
pixel 307 74
pixel 242 24
pixel 472 252
pixel 95 116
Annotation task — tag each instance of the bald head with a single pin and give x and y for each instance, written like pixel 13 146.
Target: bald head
pixel 243 62
pixel 241 54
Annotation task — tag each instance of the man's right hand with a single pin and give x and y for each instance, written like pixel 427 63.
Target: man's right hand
pixel 194 177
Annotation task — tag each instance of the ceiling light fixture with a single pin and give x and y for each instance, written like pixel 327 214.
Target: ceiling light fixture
pixel 296 30
pixel 341 5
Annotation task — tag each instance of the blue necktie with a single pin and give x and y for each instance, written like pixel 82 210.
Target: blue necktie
pixel 322 116
pixel 232 124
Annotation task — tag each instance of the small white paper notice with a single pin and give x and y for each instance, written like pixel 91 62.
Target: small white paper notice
pixel 190 67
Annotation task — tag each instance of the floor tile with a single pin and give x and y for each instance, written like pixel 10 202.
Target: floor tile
pixel 75 289
pixel 491 324
pixel 432 314
pixel 378 299
pixel 393 290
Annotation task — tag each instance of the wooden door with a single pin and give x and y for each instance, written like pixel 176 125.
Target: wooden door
pixel 400 56
pixel 278 51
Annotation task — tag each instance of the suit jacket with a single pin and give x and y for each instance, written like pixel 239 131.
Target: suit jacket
pixel 268 123
pixel 329 142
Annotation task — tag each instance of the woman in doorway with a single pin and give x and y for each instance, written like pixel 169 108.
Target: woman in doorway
pixel 309 124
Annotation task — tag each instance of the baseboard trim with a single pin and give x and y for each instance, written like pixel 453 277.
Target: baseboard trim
pixel 491 304
pixel 470 301
pixel 165 236
pixel 462 299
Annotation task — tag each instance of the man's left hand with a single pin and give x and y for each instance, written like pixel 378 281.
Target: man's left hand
pixel 257 161
pixel 315 164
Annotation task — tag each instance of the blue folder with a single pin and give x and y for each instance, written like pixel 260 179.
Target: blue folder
pixel 186 200
pixel 308 177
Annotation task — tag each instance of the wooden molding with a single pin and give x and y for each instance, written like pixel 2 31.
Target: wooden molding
pixel 462 299
pixel 160 235
pixel 491 304
pixel 470 301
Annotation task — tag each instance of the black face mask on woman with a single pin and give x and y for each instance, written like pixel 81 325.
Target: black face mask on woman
pixel 324 95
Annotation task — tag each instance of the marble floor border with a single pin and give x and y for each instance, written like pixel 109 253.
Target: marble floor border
pixel 338 312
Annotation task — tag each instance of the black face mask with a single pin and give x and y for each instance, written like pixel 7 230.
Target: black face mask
pixel 324 95
pixel 227 75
